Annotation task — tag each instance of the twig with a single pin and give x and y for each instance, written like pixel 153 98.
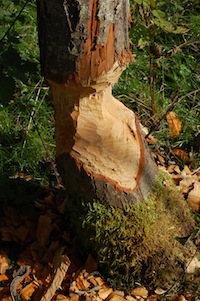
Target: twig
pixel 13 23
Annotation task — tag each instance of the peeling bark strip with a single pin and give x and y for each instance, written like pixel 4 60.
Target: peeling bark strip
pixel 82 39
pixel 100 150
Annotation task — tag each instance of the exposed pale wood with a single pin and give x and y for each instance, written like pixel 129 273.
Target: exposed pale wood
pixel 84 48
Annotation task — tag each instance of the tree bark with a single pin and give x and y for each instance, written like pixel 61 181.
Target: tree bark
pixel 101 152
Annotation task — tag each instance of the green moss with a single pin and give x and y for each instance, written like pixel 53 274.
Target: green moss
pixel 137 243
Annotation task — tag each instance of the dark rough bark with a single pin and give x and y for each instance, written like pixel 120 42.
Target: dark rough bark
pixel 82 36
pixel 101 153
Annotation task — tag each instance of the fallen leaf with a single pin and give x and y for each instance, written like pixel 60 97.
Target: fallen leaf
pixel 182 154
pixel 174 123
pixel 170 168
pixel 161 159
pixel 44 229
pixel 193 266
pixel 187 170
pixel 177 169
pixel 90 264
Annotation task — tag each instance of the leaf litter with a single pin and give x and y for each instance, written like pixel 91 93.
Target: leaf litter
pixel 38 258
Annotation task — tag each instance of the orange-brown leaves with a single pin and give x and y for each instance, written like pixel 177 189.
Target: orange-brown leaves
pixel 175 125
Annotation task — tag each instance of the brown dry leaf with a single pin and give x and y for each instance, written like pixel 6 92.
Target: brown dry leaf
pixel 152 298
pixel 176 179
pixel 161 159
pixel 182 154
pixel 187 170
pixel 140 292
pixel 194 197
pixel 44 229
pixel 186 184
pixel 174 123
pixel 38 252
pixel 170 168
pixel 90 264
pixel 28 290
pixel 21 234
pixel 177 169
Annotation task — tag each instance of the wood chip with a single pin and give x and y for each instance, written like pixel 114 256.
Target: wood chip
pixel 194 197
pixel 115 297
pixel 104 292
pixel 28 290
pixel 74 297
pixel 187 170
pixel 61 297
pixel 140 292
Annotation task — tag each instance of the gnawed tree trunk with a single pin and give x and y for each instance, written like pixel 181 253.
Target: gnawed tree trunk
pixel 101 153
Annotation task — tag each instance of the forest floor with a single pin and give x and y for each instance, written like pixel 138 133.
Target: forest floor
pixel 39 257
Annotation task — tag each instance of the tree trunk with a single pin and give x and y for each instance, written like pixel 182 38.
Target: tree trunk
pixel 101 152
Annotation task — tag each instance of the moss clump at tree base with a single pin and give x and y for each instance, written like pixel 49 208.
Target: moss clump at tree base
pixel 137 243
